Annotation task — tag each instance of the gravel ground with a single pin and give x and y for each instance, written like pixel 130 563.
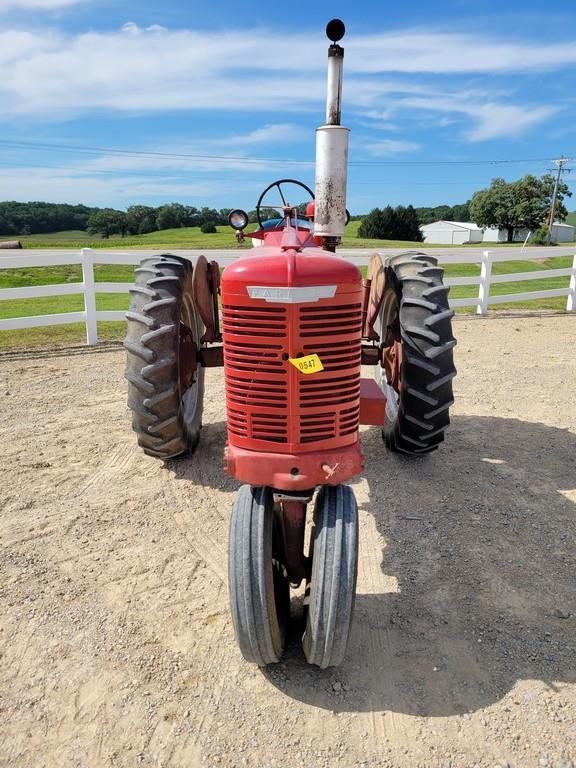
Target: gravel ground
pixel 116 639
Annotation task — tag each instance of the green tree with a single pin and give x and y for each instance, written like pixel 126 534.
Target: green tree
pixel 167 217
pixel 407 225
pixel 460 212
pixel 391 224
pixel 377 224
pixel 265 214
pixel 520 204
pixel 141 219
pixel 208 228
pixel 106 222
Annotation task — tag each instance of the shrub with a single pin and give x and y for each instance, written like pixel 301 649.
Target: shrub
pixel 208 228
pixel 541 236
pixel 391 224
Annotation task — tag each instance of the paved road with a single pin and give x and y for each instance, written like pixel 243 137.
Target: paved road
pixel 224 255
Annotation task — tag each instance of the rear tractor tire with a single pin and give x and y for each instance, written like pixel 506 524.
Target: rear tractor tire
pixel 416 375
pixel 165 386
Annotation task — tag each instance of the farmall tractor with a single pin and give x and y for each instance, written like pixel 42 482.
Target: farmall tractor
pixel 296 324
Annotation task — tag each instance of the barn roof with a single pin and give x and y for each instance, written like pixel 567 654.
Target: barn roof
pixel 456 224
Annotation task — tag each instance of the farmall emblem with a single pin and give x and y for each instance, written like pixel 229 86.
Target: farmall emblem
pixel 287 295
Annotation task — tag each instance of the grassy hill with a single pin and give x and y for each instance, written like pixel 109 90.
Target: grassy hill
pixel 192 237
pixel 183 237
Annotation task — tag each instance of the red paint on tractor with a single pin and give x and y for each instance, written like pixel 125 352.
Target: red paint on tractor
pixel 294 472
pixel 283 425
pixel 372 403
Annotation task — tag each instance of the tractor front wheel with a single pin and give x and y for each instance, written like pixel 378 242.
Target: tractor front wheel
pixel 165 384
pixel 332 587
pixel 417 367
pixel 257 576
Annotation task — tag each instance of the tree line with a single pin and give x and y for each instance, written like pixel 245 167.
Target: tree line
pixel 521 204
pixel 38 218
pixel 511 206
pixel 142 219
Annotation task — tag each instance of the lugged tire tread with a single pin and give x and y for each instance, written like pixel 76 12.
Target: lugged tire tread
pixel 140 317
pixel 152 402
pixel 144 353
pixel 152 364
pixel 139 382
pixel 141 289
pixel 428 369
pixel 439 317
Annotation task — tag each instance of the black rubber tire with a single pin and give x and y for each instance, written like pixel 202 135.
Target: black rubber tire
pixel 257 577
pixel 166 420
pixel 417 416
pixel 334 549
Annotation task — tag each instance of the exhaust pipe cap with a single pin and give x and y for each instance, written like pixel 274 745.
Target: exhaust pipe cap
pixel 335 30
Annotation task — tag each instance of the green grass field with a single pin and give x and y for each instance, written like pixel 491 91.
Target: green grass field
pixel 192 237
pixel 184 237
pixel 75 334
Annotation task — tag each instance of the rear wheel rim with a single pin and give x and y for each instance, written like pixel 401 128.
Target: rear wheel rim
pixel 389 332
pixel 189 397
pixel 392 397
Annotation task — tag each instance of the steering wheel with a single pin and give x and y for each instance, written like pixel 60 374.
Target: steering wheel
pixel 283 204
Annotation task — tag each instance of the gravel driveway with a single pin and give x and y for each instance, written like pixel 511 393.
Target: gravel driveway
pixel 117 645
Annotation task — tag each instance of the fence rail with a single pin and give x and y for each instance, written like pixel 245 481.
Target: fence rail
pixel 89 287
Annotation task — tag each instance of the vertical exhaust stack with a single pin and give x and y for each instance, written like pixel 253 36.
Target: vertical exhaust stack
pixel 332 150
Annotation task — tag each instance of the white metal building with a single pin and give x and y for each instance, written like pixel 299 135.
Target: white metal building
pixel 459 232
pixel 561 233
pixel 451 232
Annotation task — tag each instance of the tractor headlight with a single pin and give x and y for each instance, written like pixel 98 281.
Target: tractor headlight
pixel 238 219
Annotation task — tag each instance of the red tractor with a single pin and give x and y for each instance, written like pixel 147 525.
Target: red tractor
pixel 296 324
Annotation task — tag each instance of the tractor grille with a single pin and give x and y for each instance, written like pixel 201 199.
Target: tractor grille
pixel 334 333
pixel 268 401
pixel 256 380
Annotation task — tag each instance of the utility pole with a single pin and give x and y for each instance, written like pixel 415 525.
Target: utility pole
pixel 559 166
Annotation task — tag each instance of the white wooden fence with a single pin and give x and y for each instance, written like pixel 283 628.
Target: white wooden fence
pixel 88 287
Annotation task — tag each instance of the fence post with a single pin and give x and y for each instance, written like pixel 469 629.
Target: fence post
pixel 89 295
pixel 571 303
pixel 484 287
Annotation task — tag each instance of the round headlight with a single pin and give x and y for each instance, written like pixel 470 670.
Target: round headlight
pixel 238 219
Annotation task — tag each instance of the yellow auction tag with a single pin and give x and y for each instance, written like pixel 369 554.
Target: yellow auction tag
pixel 308 364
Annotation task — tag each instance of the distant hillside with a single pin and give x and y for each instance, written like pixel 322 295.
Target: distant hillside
pixel 571 218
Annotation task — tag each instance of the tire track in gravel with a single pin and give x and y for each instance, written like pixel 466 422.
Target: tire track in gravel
pixel 191 521
pixel 196 511
pixel 373 581
pixel 119 460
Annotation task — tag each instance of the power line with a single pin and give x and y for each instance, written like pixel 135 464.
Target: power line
pixel 186 176
pixel 69 148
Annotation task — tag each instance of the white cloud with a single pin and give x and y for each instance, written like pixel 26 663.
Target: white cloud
pixel 450 52
pixel 51 75
pixel 492 119
pixel 495 120
pixel 271 133
pixel 388 147
pixel 214 155
pixel 186 171
pixel 68 185
pixel 155 69
pixel 48 5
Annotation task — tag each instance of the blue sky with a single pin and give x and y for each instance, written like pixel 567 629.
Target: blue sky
pixel 114 103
